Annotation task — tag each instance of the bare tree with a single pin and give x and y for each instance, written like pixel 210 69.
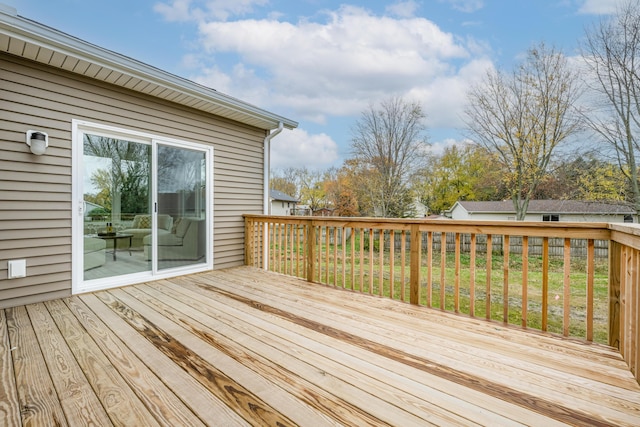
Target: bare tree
pixel 305 184
pixel 524 116
pixel 285 181
pixel 612 54
pixel 387 144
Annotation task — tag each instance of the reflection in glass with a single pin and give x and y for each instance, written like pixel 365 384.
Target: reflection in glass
pixel 182 202
pixel 117 195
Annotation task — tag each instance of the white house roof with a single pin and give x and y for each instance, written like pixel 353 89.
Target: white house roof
pixel 31 40
pixel 549 207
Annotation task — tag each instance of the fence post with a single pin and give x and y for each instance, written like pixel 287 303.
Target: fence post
pixel 311 253
pixel 414 278
pixel 615 265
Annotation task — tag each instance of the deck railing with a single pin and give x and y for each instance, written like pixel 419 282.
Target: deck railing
pixel 579 280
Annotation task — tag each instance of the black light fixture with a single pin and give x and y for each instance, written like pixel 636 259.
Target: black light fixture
pixel 37 141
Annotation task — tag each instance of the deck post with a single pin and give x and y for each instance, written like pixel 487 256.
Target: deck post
pixel 266 245
pixel 311 253
pixel 615 265
pixel 414 278
pixel 248 241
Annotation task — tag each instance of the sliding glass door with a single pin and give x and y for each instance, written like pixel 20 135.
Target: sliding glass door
pixel 182 202
pixel 116 178
pixel 144 208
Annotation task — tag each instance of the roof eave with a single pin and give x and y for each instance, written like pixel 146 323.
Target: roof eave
pixel 37 35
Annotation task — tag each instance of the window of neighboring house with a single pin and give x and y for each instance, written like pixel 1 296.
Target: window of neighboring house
pixel 511 218
pixel 551 217
pixel 628 218
pixel 283 204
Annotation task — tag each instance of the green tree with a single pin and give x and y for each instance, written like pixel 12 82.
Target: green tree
pixel 461 172
pixel 523 117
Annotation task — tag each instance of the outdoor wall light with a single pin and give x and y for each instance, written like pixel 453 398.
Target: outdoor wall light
pixel 38 141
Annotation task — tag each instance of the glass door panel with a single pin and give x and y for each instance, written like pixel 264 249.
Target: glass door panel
pixel 181 223
pixel 117 206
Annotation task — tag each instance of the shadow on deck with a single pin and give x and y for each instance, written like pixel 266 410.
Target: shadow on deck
pixel 247 347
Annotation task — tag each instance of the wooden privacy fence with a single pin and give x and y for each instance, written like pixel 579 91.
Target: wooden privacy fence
pixel 569 291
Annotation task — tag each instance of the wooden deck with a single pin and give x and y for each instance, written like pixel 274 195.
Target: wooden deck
pixel 247 347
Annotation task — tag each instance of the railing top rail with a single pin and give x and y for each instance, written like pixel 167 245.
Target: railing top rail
pixel 577 230
pixel 626 234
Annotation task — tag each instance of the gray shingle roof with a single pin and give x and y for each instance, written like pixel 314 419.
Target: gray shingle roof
pixel 279 195
pixel 552 207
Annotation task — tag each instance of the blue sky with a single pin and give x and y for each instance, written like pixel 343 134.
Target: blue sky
pixel 323 62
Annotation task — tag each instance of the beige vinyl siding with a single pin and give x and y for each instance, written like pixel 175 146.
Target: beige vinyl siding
pixel 35 191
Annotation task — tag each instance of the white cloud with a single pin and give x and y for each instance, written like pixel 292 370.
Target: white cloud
pixel 297 148
pixel 188 10
pixel 335 67
pixel 598 7
pixel 445 97
pixel 403 9
pixel 466 6
pixel 437 148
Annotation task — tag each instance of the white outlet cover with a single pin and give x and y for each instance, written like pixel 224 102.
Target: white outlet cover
pixel 17 268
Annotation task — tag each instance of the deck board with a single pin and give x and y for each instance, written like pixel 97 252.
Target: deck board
pixel 80 404
pixel 246 347
pixel 493 357
pixel 9 408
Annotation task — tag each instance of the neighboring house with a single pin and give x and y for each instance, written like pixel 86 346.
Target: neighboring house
pixel 420 209
pixel 282 204
pixel 168 139
pixel 545 210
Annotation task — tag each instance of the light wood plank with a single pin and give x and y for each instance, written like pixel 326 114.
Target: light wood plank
pixel 308 376
pixel 9 408
pixel 206 406
pixel 78 400
pixel 488 266
pixel 525 279
pixel 505 278
pixel 420 394
pixel 566 310
pixel 131 378
pixel 316 355
pixel 39 402
pixel 245 393
pixel 497 371
pixel 472 276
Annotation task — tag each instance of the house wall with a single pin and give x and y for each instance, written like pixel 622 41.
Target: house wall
pixel 461 213
pixel 35 191
pixel 277 207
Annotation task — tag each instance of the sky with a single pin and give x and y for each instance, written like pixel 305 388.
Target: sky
pixel 323 62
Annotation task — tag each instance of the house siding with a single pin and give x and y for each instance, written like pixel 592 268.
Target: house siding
pixel 35 191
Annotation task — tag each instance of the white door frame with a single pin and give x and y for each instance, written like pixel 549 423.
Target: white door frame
pixel 79 285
